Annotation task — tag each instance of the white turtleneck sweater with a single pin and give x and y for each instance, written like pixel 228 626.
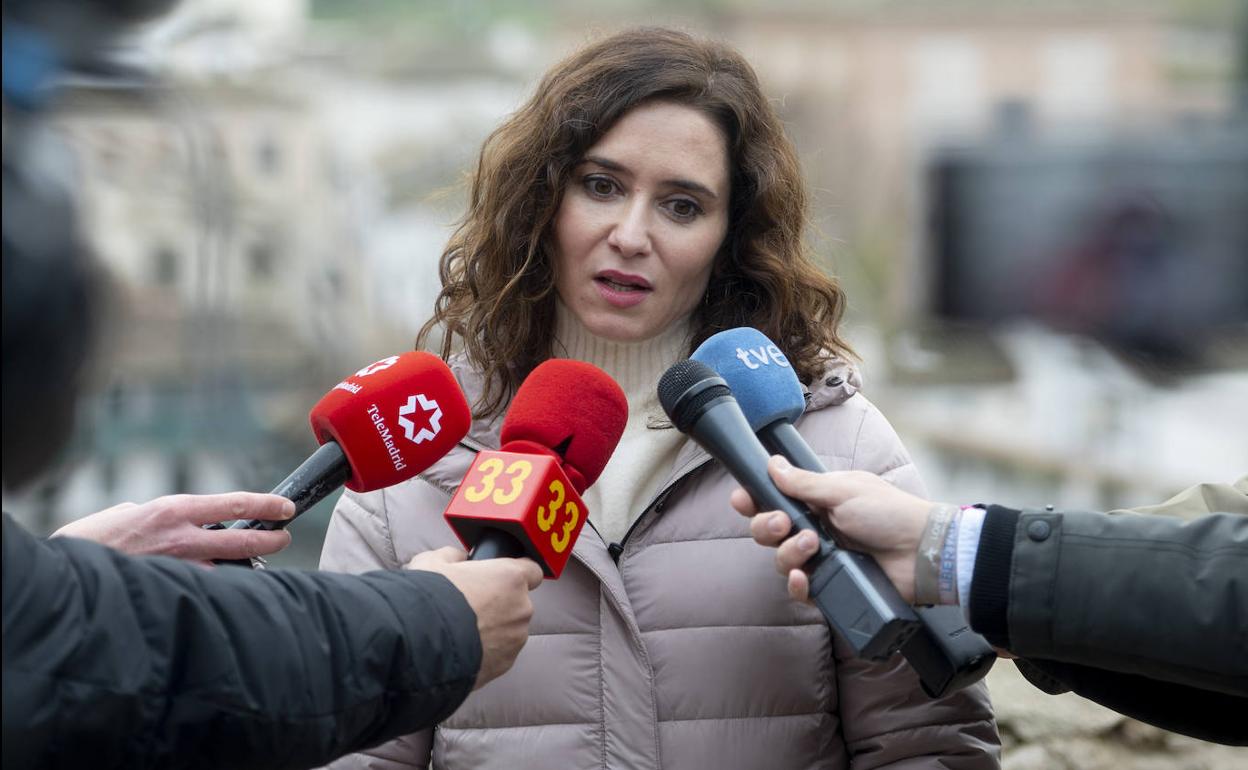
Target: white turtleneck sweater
pixel 644 456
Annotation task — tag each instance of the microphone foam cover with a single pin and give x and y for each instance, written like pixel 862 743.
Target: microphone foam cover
pixel 759 374
pixel 573 409
pixel 686 388
pixel 393 418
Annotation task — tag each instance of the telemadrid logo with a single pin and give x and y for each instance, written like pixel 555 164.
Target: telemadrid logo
pixel 427 405
pixel 379 366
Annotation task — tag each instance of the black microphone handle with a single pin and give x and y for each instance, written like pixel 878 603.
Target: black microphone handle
pixel 325 470
pixel 781 438
pixel 497 544
pixel 945 653
pixel 850 589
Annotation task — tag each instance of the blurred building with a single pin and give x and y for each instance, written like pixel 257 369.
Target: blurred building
pixel 220 213
pixel 870 89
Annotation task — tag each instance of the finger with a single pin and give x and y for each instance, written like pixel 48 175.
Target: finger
pixel 770 529
pixel 431 560
pixel 533 574
pixel 795 551
pixel 825 490
pixel 799 585
pixel 741 500
pixel 234 543
pixel 209 509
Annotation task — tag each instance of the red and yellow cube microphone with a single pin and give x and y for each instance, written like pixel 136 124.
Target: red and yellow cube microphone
pixel 525 498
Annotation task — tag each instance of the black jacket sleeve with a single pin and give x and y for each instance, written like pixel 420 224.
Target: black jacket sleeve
pixel 1143 614
pixel 119 661
pixel 1203 714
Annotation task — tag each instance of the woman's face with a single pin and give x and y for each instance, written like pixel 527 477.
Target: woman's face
pixel 640 223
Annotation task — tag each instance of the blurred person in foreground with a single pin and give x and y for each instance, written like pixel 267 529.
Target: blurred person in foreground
pixel 1144 614
pixel 117 660
pixel 644 198
pixel 114 660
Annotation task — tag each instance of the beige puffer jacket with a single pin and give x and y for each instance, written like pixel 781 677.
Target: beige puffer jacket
pixel 686 652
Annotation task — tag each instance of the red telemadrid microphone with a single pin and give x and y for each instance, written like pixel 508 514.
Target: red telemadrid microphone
pixel 525 499
pixel 382 425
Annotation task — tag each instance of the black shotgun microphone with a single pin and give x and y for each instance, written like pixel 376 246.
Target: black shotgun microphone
pixel 945 653
pixel 850 589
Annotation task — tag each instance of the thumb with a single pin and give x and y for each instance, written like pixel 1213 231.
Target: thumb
pixel 449 554
pixel 821 489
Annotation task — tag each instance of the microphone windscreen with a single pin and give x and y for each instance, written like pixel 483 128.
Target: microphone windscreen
pixel 571 408
pixel 759 374
pixel 393 418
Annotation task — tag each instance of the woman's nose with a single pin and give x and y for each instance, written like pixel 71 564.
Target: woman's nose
pixel 631 233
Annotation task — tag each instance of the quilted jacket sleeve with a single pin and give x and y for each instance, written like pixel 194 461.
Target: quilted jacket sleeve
pixel 887 719
pixel 359 540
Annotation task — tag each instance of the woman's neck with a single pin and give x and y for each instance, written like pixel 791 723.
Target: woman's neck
pixel 636 366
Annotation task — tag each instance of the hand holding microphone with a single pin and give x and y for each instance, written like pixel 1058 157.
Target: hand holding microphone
pixel 173 526
pixel 872 515
pixel 943 650
pixel 849 588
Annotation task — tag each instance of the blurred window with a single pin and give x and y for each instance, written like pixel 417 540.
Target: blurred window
pixel 262 260
pixel 1076 77
pixel 335 282
pixel 268 156
pixel 947 83
pixel 165 266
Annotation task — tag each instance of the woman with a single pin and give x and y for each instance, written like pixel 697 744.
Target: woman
pixel 643 199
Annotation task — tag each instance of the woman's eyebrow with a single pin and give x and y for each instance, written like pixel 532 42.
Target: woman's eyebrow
pixel 684 184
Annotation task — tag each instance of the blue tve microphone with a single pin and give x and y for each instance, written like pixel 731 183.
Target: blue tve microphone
pixel 944 652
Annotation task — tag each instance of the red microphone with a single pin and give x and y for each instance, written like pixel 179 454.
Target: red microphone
pixel 525 498
pixel 382 425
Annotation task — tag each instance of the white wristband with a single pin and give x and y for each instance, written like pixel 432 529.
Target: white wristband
pixel 971 524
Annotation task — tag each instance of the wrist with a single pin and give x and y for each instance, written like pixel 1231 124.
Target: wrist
pixel 935 574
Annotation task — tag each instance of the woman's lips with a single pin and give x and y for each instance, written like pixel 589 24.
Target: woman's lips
pixel 622 290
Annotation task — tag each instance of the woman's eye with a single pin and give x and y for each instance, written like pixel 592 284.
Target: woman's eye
pixel 684 209
pixel 600 187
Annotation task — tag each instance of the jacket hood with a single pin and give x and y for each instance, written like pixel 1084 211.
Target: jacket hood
pixel 840 380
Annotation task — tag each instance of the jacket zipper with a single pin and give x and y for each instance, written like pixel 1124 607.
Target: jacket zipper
pixel 616 550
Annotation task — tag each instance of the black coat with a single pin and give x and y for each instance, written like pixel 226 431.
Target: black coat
pixel 1147 615
pixel 119 661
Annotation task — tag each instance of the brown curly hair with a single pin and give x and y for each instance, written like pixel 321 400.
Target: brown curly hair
pixel 498 296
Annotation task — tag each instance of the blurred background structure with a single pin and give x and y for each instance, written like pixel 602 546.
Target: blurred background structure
pixel 1039 211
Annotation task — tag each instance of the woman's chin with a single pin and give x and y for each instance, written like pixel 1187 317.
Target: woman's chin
pixel 613 327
